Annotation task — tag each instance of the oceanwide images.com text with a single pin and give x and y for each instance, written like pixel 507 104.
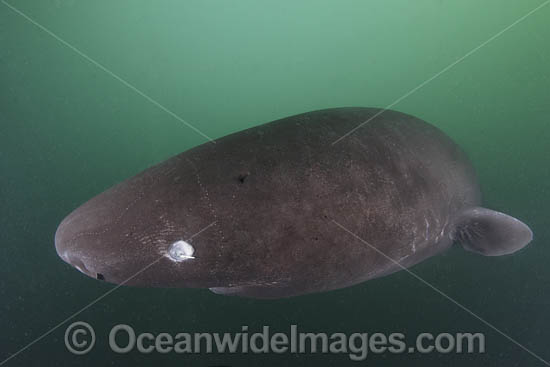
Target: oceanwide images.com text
pixel 80 339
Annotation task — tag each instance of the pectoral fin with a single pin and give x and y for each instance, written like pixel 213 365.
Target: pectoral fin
pixel 250 291
pixel 489 232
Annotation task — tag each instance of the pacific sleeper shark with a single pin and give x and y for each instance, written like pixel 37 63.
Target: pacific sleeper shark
pixel 281 210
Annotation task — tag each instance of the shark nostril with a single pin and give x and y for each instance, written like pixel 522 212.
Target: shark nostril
pixel 78 264
pixel 81 267
pixel 100 276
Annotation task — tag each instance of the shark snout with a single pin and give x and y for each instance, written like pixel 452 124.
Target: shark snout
pixel 72 245
pixel 82 239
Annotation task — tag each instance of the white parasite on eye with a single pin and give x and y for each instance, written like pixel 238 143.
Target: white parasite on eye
pixel 180 251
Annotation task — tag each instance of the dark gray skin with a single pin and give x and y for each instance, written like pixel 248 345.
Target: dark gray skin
pixel 277 195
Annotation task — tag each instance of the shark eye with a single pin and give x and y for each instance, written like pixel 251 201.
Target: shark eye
pixel 180 251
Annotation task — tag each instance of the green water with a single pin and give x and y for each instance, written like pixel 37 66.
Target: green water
pixel 69 130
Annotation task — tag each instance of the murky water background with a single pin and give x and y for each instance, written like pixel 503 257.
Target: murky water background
pixel 69 130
